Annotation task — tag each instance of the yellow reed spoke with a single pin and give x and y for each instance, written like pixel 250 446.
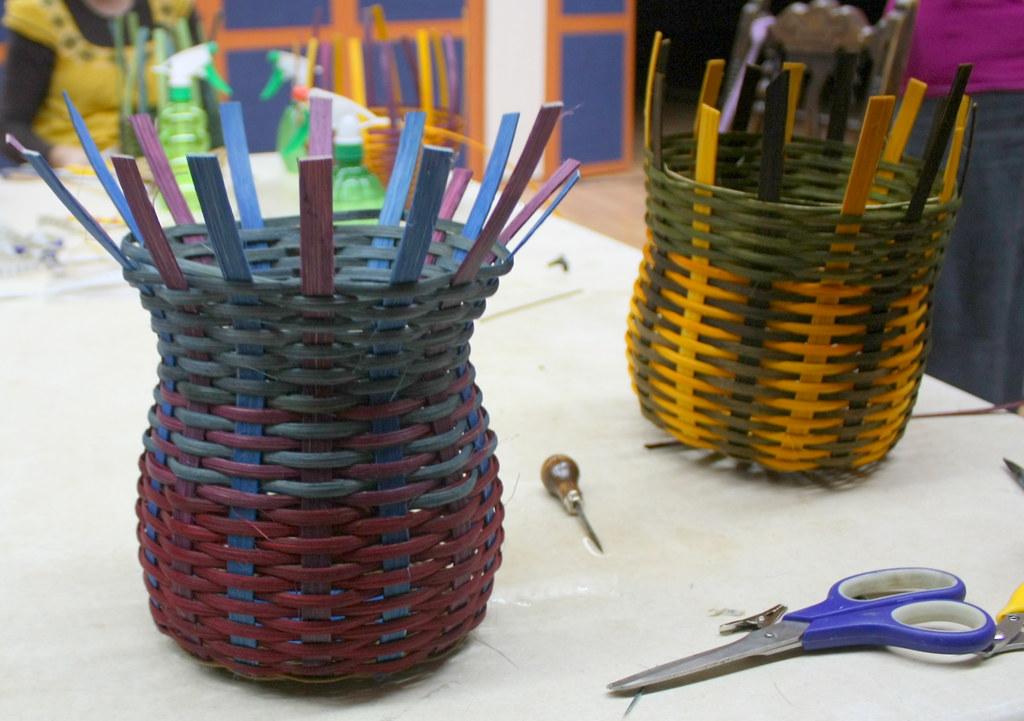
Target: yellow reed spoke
pixel 442 70
pixel 796 79
pixel 356 72
pixel 953 162
pixel 649 92
pixel 380 24
pixel 910 105
pixel 312 51
pixel 710 87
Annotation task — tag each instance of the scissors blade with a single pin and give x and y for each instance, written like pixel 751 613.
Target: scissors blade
pixel 1009 636
pixel 769 641
pixel 752 623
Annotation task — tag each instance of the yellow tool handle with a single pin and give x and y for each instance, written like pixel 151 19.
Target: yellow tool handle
pixel 1014 605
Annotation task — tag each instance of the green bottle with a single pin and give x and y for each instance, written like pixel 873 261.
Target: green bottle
pixel 293 128
pixel 183 131
pixel 292 134
pixel 355 187
pixel 182 122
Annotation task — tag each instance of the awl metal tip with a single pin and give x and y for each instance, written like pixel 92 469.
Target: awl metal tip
pixel 589 529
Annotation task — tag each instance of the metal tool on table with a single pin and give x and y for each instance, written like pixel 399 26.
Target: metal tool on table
pixel 752 623
pixel 1010 626
pixel 892 607
pixel 561 477
pixel 1016 470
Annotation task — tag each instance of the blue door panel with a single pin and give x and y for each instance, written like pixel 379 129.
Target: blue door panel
pixel 593 85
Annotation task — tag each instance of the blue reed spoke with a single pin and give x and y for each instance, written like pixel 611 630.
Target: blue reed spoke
pixel 102 172
pixel 238 161
pixel 230 255
pixel 408 265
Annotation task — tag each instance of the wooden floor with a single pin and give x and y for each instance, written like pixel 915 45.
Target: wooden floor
pixel 613 204
pixel 610 204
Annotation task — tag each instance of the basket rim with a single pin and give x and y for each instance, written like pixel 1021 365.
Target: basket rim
pixel 933 203
pixel 209 276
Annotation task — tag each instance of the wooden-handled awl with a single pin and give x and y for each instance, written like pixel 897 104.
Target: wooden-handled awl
pixel 561 477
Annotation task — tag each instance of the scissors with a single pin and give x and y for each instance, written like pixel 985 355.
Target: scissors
pixel 1010 627
pixel 903 607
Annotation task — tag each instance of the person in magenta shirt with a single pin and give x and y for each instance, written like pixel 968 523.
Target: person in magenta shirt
pixel 987 33
pixel 978 314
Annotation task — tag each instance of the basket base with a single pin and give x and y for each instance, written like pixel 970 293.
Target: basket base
pixel 277 632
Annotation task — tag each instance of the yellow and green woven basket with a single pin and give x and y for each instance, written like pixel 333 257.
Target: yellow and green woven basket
pixel 788 333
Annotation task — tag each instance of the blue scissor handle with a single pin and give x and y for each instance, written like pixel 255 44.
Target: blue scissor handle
pixel 883 589
pixel 910 625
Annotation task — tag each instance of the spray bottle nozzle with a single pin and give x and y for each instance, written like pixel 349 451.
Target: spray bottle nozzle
pixel 194 62
pixel 345 113
pixel 287 66
pixel 214 79
pixel 345 110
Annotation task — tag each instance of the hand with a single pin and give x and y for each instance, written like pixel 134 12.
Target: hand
pixel 63 155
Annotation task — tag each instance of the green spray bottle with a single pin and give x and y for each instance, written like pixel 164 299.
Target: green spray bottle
pixel 182 123
pixel 355 187
pixel 293 129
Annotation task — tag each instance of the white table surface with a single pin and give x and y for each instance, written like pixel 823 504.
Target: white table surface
pixel 690 543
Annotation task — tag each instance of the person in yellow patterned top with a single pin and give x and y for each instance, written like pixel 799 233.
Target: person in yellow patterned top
pixel 58 45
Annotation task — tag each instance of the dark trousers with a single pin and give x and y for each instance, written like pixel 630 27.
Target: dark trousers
pixel 978 318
